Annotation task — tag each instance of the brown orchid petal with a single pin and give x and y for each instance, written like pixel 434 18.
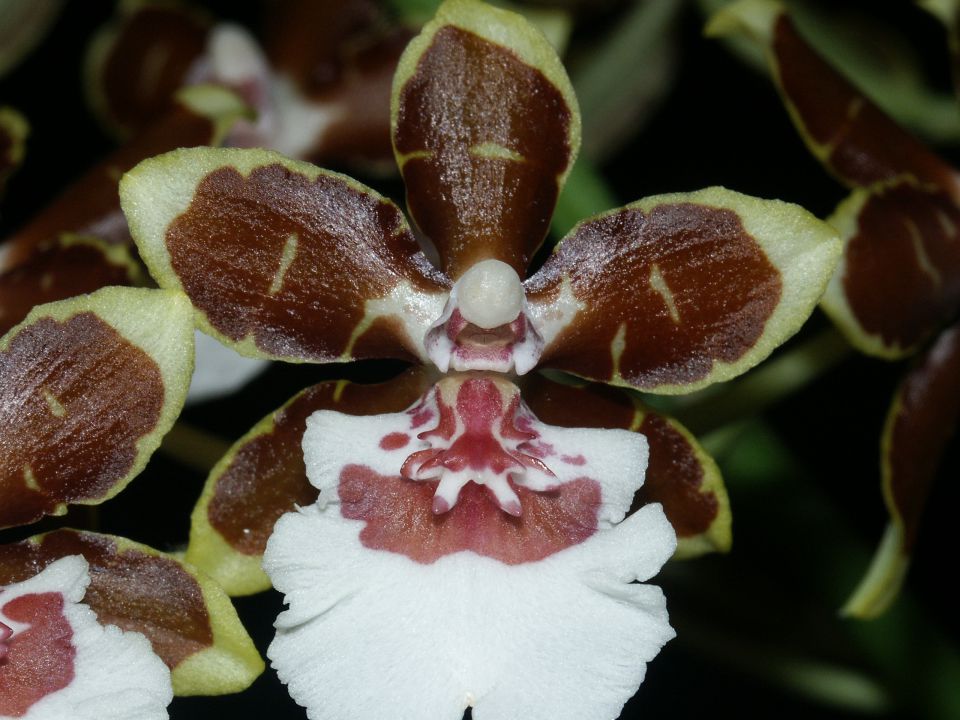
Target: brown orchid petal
pixel 88 387
pixel 72 266
pixel 899 279
pixel 850 135
pixel 281 259
pixel 187 618
pixel 13 135
pixel 263 476
pixel 680 475
pixel 921 422
pixel 136 64
pixel 201 116
pixel 675 292
pixel 485 128
pixel 341 56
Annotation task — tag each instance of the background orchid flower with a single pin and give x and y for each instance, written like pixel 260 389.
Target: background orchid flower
pixel 898 284
pixel 80 242
pixel 320 83
pixel 88 387
pixel 23 24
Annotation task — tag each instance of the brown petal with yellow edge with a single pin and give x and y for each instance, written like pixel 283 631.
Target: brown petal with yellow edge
pixel 281 259
pixel 850 135
pixel 263 476
pixel 342 57
pixel 485 128
pixel 137 63
pixel 91 205
pixel 675 292
pixel 88 387
pixel 899 279
pixel 680 475
pixel 73 265
pixel 922 419
pixel 13 134
pixel 188 620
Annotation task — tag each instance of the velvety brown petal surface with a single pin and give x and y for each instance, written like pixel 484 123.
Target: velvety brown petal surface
pixel 137 63
pixel 675 292
pixel 342 56
pixel 151 594
pixel 263 476
pixel 188 620
pixel 922 421
pixel 664 295
pixel 70 266
pixel 484 132
pixel 87 387
pixel 680 475
pixel 282 259
pixel 899 279
pixel 91 205
pixel 76 397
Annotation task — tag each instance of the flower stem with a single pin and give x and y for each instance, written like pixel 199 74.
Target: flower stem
pixel 194 447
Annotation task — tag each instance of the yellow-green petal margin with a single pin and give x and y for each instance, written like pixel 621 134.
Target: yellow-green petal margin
pixel 221 106
pixel 113 253
pixel 102 44
pixel 23 24
pixel 754 21
pixel 834 301
pixel 504 28
pixel 803 249
pixel 881 583
pixel 160 189
pixel 238 573
pixel 231 663
pixel 719 536
pixel 14 126
pixel 160 323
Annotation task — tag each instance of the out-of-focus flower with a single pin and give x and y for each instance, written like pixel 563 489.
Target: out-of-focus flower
pixel 13 134
pixel 88 387
pixel 80 242
pixel 898 283
pixel 23 24
pixel 319 84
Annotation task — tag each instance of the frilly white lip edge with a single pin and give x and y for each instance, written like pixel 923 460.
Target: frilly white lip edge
pixel 117 676
pixel 488 297
pixel 566 637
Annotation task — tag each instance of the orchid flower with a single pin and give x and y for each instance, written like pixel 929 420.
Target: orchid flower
pixel 88 387
pixel 320 84
pixel 896 290
pixel 453 525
